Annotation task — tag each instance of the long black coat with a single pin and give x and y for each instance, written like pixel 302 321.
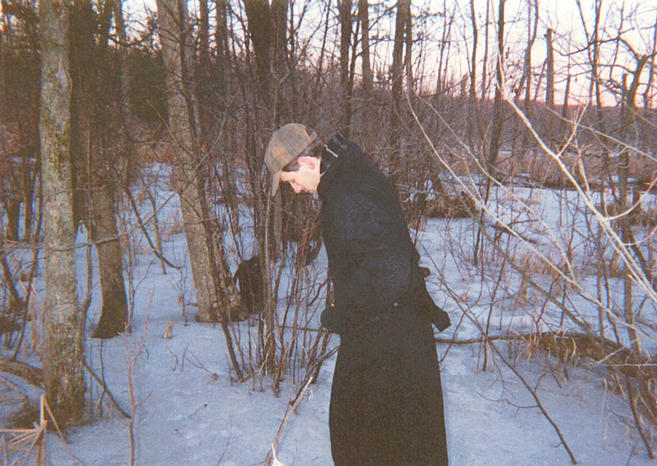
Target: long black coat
pixel 386 399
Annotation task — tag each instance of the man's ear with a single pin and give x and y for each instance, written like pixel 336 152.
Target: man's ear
pixel 307 161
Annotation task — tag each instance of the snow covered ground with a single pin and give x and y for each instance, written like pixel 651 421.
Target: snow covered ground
pixel 190 412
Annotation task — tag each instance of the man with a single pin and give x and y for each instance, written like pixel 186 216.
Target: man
pixel 386 399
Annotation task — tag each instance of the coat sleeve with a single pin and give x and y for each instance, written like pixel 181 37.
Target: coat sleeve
pixel 374 238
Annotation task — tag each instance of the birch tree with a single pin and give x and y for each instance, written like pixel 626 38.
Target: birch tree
pixel 62 356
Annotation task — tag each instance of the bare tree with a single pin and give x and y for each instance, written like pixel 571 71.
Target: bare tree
pixel 62 357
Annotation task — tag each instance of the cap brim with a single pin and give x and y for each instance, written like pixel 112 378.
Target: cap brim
pixel 275 181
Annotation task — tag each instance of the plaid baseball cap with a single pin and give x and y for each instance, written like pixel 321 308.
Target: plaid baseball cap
pixel 286 144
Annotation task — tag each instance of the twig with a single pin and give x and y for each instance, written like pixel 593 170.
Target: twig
pixel 532 391
pixel 538 402
pixel 158 253
pixel 637 419
pixel 286 419
pixel 105 390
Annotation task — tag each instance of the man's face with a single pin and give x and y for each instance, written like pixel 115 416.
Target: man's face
pixel 306 178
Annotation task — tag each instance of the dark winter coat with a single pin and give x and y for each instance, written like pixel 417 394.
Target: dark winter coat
pixel 386 399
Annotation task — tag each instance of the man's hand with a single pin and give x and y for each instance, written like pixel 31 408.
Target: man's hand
pixel 440 318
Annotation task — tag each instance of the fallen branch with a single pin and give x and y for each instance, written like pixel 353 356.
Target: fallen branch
pixel 286 419
pixel 569 347
pixel 31 374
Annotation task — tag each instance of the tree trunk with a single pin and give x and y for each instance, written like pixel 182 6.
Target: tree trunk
pixel 94 174
pixel 401 26
pixel 474 124
pixel 114 310
pixel 498 103
pixel 595 77
pixel 203 78
pixel 532 29
pixel 259 24
pixel 363 15
pixel 647 98
pixel 279 35
pixel 628 117
pixel 221 42
pixel 62 356
pixel 473 56
pixel 281 94
pixel 344 11
pixel 403 17
pixel 484 64
pixel 12 208
pixel 187 170
pixel 443 55
pixel 216 296
pixel 549 89
pixel 497 124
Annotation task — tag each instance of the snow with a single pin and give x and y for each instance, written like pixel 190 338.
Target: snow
pixel 190 411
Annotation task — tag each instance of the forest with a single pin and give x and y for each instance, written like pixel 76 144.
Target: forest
pixel 520 133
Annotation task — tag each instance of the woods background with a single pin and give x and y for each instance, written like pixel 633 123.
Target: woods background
pixel 456 101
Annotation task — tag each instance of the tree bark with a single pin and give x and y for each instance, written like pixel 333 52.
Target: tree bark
pixel 62 356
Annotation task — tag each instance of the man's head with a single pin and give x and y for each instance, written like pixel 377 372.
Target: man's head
pixel 291 159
